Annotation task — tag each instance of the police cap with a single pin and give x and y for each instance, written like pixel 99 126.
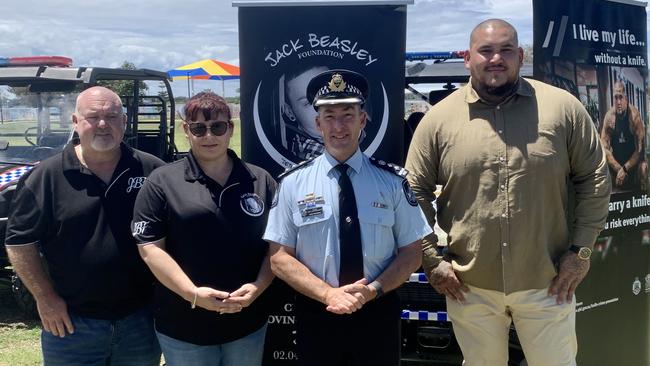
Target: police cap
pixel 337 87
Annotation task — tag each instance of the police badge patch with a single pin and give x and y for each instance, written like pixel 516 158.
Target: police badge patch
pixel 251 204
pixel 408 192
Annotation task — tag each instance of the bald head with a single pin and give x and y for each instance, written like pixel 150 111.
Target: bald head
pixel 619 87
pixel 94 93
pixel 491 25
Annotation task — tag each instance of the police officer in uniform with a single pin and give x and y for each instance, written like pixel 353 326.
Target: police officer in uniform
pixel 344 231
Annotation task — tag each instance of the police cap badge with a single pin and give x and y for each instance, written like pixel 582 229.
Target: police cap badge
pixel 337 87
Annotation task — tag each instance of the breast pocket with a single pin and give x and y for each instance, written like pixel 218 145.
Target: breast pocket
pixel 313 231
pixel 377 231
pixel 543 144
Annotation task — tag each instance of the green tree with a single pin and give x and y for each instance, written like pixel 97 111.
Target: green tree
pixel 162 93
pixel 125 87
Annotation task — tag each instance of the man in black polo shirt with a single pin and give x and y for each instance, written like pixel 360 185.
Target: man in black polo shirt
pixel 76 208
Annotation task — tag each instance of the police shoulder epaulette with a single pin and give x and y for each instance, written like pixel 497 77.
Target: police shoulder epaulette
pixel 296 167
pixel 395 169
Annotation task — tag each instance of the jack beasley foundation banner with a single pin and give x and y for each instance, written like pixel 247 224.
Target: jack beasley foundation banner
pixel 282 47
pixel 597 50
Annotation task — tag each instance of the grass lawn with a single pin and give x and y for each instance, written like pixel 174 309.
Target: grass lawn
pixel 20 343
pixel 19 337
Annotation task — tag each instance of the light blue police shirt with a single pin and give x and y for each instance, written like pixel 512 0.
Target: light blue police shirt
pixel 306 215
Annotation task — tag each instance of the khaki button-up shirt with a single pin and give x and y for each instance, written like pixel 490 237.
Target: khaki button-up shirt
pixel 506 173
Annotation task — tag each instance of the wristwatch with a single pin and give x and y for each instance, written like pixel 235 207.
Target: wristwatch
pixel 583 252
pixel 377 287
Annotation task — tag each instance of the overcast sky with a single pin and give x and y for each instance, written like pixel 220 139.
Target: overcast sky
pixel 166 34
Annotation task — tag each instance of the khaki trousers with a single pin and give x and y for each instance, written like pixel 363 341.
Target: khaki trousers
pixel 546 330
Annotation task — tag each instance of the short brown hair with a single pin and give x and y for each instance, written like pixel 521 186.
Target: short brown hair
pixel 207 103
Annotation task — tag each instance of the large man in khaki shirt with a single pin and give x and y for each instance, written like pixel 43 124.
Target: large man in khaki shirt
pixel 504 149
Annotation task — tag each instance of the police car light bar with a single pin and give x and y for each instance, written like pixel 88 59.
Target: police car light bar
pixel 420 56
pixel 58 61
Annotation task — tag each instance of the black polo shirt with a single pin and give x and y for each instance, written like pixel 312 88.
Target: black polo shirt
pixel 83 228
pixel 214 233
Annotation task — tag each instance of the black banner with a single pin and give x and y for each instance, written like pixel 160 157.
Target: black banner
pixel 282 48
pixel 597 50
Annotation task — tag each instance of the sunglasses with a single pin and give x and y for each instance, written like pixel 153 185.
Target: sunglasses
pixel 199 129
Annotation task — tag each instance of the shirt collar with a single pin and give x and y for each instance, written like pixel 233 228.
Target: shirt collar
pixel 523 88
pixel 355 161
pixel 72 162
pixel 193 171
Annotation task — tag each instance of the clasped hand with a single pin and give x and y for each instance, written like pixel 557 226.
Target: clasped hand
pixel 224 302
pixel 349 298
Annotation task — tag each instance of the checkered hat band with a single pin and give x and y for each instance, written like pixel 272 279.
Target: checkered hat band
pixel 351 89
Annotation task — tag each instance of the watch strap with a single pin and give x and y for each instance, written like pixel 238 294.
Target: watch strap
pixel 377 287
pixel 583 253
pixel 575 248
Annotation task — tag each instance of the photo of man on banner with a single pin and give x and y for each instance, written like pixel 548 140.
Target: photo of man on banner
pixel 623 135
pixel 296 121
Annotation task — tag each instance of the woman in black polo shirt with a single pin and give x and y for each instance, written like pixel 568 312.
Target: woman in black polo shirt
pixel 199 224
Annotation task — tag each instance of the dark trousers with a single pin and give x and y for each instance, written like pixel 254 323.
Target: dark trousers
pixel 370 336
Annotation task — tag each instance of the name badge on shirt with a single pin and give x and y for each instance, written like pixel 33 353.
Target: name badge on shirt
pixel 379 205
pixel 311 205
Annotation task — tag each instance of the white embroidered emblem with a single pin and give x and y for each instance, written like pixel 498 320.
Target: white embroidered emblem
pixel 135 183
pixel 139 227
pixel 251 204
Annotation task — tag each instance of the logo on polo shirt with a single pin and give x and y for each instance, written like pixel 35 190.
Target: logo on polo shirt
pixel 135 183
pixel 251 204
pixel 139 227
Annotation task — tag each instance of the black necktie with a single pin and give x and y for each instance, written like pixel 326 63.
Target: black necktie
pixel 351 269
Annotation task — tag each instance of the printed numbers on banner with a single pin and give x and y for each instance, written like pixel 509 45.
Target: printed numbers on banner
pixel 285 355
